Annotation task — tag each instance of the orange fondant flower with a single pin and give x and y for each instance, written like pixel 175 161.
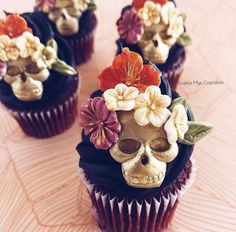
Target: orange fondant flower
pixel 138 4
pixel 13 26
pixel 128 68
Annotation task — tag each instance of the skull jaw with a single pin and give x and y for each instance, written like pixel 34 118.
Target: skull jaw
pixel 67 26
pixel 27 91
pixel 139 176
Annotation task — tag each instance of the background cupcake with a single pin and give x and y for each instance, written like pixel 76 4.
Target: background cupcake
pixel 75 21
pixel 156 30
pixel 136 146
pixel 37 81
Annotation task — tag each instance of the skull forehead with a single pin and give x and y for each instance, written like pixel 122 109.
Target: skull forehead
pixel 155 28
pixel 130 129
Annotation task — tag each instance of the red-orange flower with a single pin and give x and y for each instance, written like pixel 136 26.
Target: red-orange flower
pixel 13 26
pixel 137 4
pixel 128 68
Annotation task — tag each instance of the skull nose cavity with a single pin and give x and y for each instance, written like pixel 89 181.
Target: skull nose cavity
pixel 155 42
pixel 144 160
pixel 23 77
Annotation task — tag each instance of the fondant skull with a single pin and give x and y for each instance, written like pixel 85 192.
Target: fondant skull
pixel 66 15
pixel 26 79
pixel 143 152
pixel 155 43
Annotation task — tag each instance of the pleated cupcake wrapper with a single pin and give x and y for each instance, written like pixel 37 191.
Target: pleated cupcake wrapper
pixel 119 215
pixel 174 72
pixel 49 122
pixel 82 47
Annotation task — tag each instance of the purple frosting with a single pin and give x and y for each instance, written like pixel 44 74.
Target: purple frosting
pixel 130 27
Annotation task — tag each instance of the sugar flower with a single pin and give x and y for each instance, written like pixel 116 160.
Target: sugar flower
pixel 151 107
pixel 171 17
pixel 45 5
pixel 3 69
pixel 177 125
pixel 121 97
pixel 102 124
pixel 130 27
pixel 8 49
pixel 176 27
pixel 13 26
pixel 28 44
pixel 137 4
pixel 150 13
pixel 45 57
pixel 128 68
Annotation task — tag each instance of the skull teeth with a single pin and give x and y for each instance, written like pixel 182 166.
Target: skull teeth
pixel 144 180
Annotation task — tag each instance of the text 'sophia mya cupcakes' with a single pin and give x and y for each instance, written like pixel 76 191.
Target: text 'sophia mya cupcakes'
pixel 75 21
pixel 37 81
pixel 136 146
pixel 156 30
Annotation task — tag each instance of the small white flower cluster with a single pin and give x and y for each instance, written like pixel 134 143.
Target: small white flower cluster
pixel 167 15
pixel 149 107
pixel 24 46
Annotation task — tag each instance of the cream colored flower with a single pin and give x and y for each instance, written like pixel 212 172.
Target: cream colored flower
pixel 176 27
pixel 170 16
pixel 121 97
pixel 8 49
pixel 83 4
pixel 168 11
pixel 177 125
pixel 150 13
pixel 44 57
pixel 151 107
pixel 27 44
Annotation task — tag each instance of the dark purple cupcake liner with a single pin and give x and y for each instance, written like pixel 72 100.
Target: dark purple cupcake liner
pixel 49 122
pixel 174 72
pixel 116 214
pixel 82 46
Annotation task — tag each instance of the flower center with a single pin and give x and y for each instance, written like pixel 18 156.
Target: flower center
pixel 120 97
pixel 152 106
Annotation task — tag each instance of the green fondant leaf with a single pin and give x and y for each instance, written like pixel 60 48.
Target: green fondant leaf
pixel 197 130
pixel 184 16
pixel 184 40
pixel 92 6
pixel 177 101
pixel 63 68
pixel 52 43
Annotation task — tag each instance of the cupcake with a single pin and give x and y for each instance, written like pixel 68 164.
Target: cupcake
pixel 75 21
pixel 136 146
pixel 38 84
pixel 156 30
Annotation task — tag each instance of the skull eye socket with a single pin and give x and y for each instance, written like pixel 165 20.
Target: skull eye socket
pixel 148 35
pixel 32 68
pixel 164 35
pixel 13 70
pixel 73 12
pixel 129 146
pixel 159 145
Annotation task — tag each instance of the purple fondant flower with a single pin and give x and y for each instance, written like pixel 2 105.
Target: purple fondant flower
pixel 45 5
pixel 130 27
pixel 102 124
pixel 3 69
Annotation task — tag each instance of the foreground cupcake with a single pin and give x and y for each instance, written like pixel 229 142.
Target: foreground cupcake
pixel 37 86
pixel 136 146
pixel 75 21
pixel 156 30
